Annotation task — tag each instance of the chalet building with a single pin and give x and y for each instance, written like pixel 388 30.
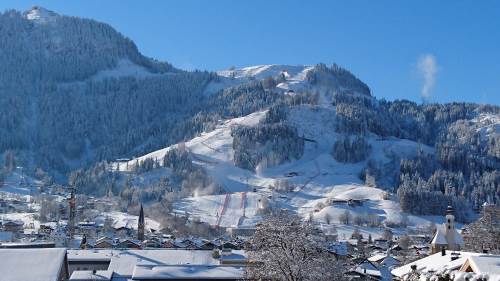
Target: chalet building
pixel 385 260
pixel 123 231
pixel 13 226
pixel 364 270
pixel 129 244
pixel 381 243
pixel 153 242
pixel 452 261
pixel 341 250
pixel 47 228
pixel 87 228
pixel 205 245
pixel 482 264
pixel 169 243
pixel 446 236
pixel 104 243
pixel 230 245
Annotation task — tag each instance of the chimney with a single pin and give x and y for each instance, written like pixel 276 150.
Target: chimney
pixel 455 256
pixel 443 251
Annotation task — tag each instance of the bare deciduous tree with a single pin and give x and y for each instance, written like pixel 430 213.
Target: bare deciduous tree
pixel 345 217
pixel 285 248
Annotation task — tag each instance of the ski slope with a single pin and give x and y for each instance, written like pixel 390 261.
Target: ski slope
pixel 318 178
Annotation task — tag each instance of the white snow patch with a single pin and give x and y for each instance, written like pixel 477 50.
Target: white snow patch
pixel 41 15
pixel 124 68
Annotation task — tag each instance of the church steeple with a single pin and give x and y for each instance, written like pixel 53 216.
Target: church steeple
pixel 140 227
pixel 450 218
pixel 450 231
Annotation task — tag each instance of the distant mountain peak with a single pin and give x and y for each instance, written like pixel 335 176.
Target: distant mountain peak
pixel 40 15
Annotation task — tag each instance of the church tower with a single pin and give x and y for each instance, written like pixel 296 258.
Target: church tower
pixel 140 227
pixel 450 230
pixel 446 236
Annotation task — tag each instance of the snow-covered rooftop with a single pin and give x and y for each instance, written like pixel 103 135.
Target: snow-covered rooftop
pixel 122 262
pixel 85 275
pixel 440 236
pixel 436 262
pixel 190 272
pixel 31 264
pixel 485 264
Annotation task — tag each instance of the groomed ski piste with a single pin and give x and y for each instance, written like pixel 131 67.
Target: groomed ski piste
pixel 317 181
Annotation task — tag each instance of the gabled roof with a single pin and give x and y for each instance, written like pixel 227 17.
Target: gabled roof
pixel 483 264
pixel 390 261
pixel 384 259
pixel 436 262
pixel 440 236
pixel 15 223
pixel 377 257
pixel 365 269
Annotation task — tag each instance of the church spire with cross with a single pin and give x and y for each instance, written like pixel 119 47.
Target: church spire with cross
pixel 140 227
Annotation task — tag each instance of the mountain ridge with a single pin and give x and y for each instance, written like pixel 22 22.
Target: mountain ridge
pixel 81 95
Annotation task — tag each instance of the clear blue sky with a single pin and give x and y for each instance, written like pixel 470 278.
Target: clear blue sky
pixel 379 41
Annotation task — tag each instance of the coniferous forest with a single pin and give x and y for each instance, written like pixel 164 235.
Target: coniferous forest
pixel 64 113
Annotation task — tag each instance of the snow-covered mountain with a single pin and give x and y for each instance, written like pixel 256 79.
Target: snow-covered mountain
pixel 316 185
pixel 291 78
pixel 40 15
pixel 295 76
pixel 80 95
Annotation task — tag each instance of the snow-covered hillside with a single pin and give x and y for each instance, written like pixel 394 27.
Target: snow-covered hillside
pixel 488 125
pixel 294 77
pixel 319 184
pixel 40 15
pixel 17 182
pixel 124 68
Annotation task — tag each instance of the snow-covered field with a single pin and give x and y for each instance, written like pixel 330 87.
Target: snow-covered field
pixel 18 183
pixel 121 219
